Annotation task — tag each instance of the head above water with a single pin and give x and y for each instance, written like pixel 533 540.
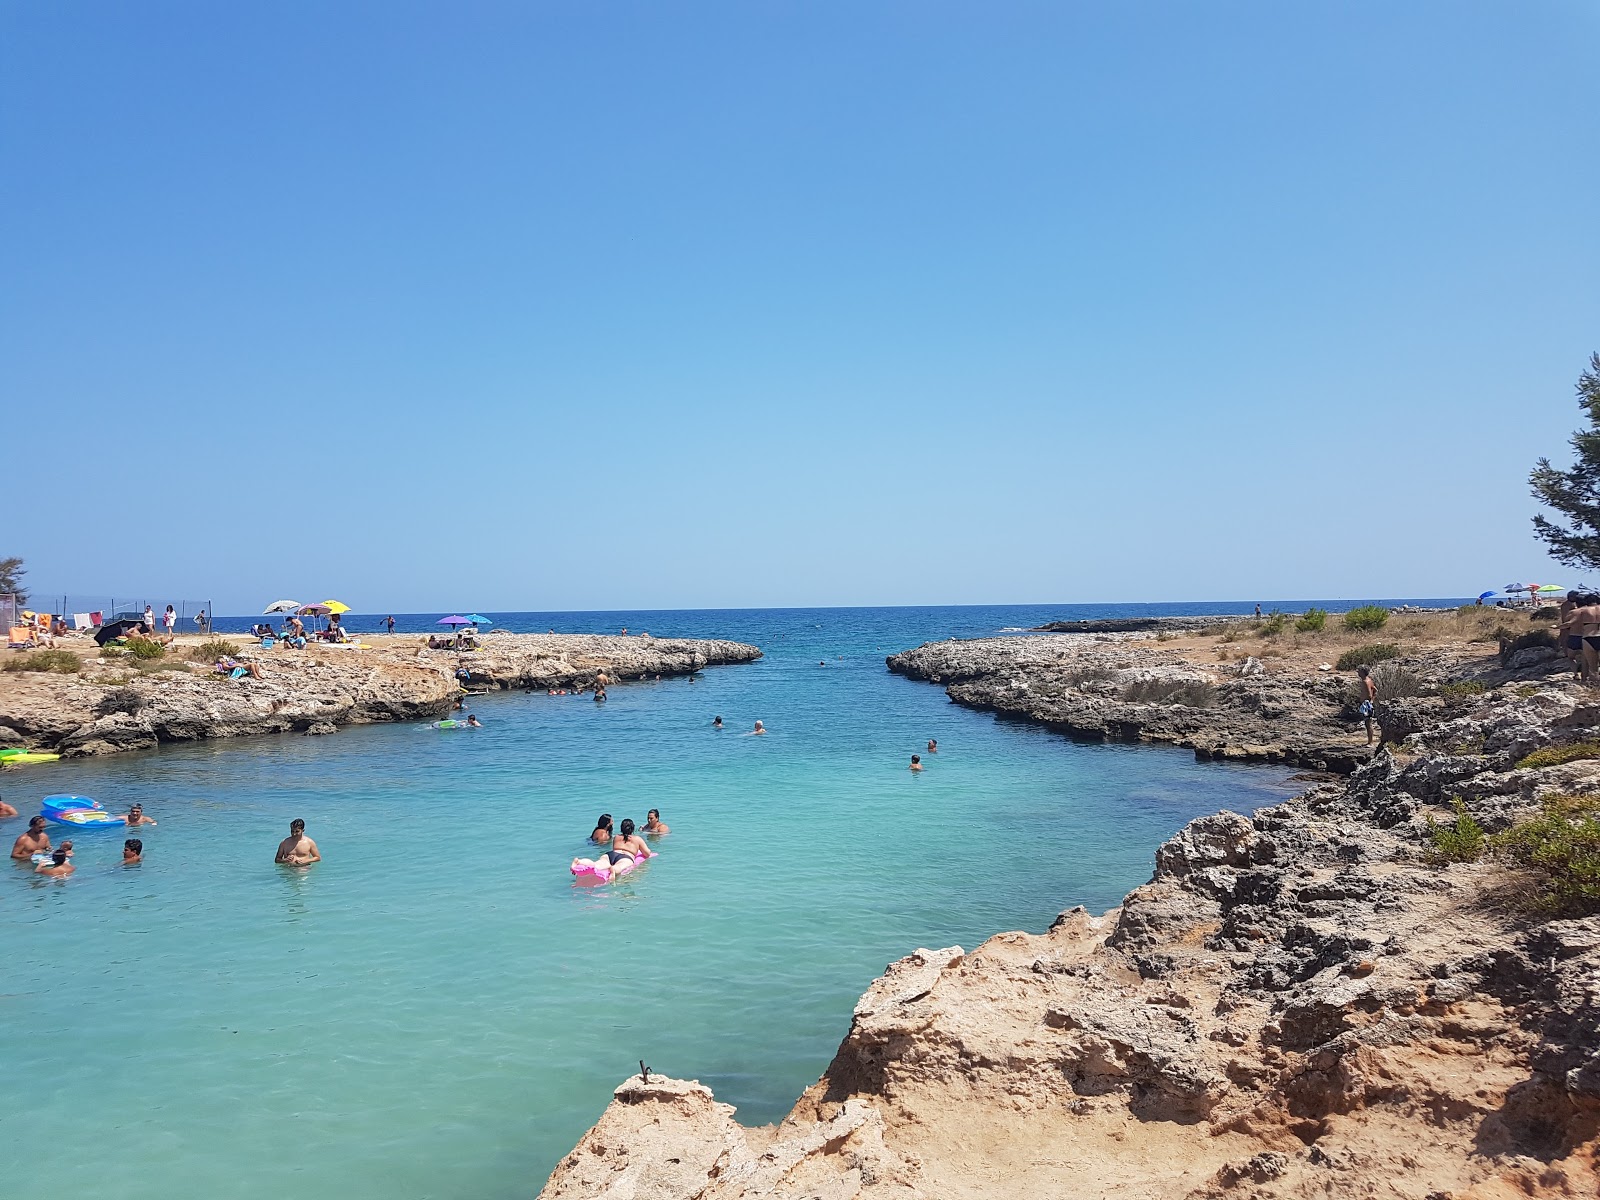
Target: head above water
pixel 133 845
pixel 297 826
pixel 59 856
pixel 627 827
pixel 654 814
pixel 604 822
pixel 35 824
pixel 916 758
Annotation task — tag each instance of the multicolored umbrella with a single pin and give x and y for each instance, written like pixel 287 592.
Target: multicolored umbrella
pixel 312 610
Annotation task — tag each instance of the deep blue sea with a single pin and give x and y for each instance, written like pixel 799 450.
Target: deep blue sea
pixel 436 1010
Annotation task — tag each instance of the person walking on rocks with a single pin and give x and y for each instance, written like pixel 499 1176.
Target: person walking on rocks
pixel 1368 692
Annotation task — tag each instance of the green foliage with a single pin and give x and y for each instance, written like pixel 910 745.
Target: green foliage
pixel 1366 656
pixel 11 573
pixel 1275 624
pixel 1460 841
pixel 1554 756
pixel 144 648
pixel 1393 682
pixel 213 649
pixel 1562 845
pixel 1191 693
pixel 1369 618
pixel 1312 621
pixel 1574 494
pixel 55 662
pixel 1461 689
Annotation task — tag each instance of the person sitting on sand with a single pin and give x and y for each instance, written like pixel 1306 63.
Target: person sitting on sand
pixel 933 745
pixel 916 762
pixel 653 823
pixel 716 722
pixel 6 810
pixel 58 867
pixel 603 832
pixel 627 845
pixel 759 729
pixel 297 850
pixel 136 816
pixel 32 842
pixel 132 852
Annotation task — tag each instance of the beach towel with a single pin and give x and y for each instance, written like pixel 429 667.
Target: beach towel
pixel 81 621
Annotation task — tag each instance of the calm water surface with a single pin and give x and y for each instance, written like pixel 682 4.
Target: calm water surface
pixel 436 1010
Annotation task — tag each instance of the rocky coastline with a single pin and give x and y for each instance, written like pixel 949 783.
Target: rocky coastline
pixel 1304 1002
pixel 110 706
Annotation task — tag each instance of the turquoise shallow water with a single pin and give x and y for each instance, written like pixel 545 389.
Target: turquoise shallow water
pixel 436 1010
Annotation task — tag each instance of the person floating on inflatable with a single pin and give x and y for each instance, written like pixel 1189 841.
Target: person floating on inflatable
pixel 627 851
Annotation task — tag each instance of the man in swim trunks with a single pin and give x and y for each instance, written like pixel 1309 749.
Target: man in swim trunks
pixel 58 867
pixel 132 852
pixel 1368 692
pixel 653 823
pixel 136 816
pixel 627 845
pixel 297 850
pixel 32 842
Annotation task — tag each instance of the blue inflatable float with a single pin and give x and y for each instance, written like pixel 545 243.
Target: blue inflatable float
pixel 80 812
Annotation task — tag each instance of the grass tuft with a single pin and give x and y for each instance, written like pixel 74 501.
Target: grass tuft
pixel 1460 841
pixel 1562 845
pixel 1554 756
pixel 53 662
pixel 1367 619
pixel 1366 656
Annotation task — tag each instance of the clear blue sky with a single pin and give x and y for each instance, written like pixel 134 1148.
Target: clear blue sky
pixel 577 305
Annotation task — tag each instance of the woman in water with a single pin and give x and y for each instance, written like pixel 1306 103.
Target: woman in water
pixel 627 846
pixel 653 823
pixel 602 834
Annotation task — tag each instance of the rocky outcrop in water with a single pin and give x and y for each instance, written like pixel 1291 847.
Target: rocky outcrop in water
pixel 1300 1003
pixel 110 707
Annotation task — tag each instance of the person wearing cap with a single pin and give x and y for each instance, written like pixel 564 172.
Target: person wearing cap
pixel 33 841
pixel 58 867
pixel 136 816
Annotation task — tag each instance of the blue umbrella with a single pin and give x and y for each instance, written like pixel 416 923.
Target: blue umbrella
pixel 1485 595
pixel 454 621
pixel 475 619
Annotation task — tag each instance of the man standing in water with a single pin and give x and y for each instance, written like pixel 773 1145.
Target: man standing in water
pixel 297 850
pixel 32 842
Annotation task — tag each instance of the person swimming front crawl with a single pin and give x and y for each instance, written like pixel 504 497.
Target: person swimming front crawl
pixel 627 845
pixel 603 832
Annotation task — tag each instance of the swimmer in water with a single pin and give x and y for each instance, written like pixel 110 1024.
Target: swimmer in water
pixel 716 722
pixel 653 823
pixel 473 722
pixel 759 729
pixel 602 834
pixel 136 816
pixel 297 850
pixel 933 745
pixel 627 845
pixel 58 867
pixel 132 852
pixel 916 762
pixel 34 841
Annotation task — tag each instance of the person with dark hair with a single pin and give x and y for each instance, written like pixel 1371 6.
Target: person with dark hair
pixel 603 832
pixel 58 867
pixel 33 841
pixel 136 816
pixel 933 745
pixel 627 845
pixel 1367 691
pixel 716 722
pixel 132 852
pixel 653 823
pixel 297 850
pixel 916 762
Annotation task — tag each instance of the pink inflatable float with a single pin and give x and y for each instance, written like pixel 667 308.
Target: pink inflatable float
pixel 600 870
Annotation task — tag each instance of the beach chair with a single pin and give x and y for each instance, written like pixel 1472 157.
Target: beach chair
pixel 21 637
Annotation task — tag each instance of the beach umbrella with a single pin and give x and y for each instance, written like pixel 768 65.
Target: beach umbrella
pixel 475 619
pixel 1551 587
pixel 453 621
pixel 1517 587
pixel 280 606
pixel 313 610
pixel 1485 595
pixel 334 606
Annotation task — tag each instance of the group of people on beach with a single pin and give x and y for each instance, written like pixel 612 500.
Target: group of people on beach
pixel 1578 633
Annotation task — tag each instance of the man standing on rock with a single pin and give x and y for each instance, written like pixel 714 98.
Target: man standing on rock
pixel 297 850
pixel 1368 691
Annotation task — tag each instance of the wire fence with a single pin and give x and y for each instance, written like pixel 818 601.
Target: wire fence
pixel 85 610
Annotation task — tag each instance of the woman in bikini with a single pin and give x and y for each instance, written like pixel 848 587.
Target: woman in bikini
pixel 627 845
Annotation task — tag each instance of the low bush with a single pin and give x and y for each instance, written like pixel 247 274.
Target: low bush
pixel 119 700
pixel 1561 844
pixel 1509 645
pixel 213 649
pixel 54 662
pixel 1367 619
pixel 1313 620
pixel 1554 756
pixel 1460 841
pixel 1087 675
pixel 1461 689
pixel 1548 612
pixel 144 648
pixel 1191 693
pixel 1395 682
pixel 1366 656
pixel 1275 624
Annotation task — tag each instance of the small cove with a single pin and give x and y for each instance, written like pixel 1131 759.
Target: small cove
pixel 437 1011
